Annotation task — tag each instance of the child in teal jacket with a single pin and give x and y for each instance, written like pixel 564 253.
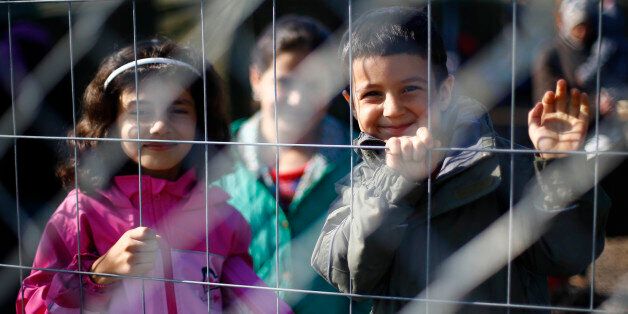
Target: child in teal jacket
pixel 307 175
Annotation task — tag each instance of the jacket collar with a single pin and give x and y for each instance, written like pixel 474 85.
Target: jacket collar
pixel 373 156
pixel 331 132
pixel 125 188
pixel 129 184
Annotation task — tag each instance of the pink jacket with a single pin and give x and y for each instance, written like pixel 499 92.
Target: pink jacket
pixel 176 211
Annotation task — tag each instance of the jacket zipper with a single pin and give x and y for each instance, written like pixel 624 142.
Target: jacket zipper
pixel 171 300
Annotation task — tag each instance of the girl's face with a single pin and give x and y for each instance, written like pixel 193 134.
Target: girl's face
pixel 165 111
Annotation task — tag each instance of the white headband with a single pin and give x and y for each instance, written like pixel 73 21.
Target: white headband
pixel 144 61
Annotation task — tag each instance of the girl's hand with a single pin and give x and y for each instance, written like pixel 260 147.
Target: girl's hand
pixel 560 121
pixel 133 254
pixel 408 155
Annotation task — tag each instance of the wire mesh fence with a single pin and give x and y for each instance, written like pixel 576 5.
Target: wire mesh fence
pixel 232 213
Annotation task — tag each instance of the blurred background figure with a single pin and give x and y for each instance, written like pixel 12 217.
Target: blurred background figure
pixel 30 43
pixel 305 178
pixel 575 22
pixel 611 51
pixel 575 55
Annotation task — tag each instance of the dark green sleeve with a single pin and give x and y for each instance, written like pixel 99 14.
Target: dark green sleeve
pixel 564 197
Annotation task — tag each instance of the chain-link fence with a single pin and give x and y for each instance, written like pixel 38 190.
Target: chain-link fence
pixel 472 237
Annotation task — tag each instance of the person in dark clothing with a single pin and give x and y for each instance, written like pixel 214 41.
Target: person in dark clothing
pixel 387 236
pixel 575 22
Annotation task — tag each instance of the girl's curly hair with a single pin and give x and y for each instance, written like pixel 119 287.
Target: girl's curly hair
pixel 98 160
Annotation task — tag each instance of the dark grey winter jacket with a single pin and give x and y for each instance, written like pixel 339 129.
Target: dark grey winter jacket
pixel 378 240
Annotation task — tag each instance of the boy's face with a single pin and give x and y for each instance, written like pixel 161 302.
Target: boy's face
pixel 264 84
pixel 390 95
pixel 299 105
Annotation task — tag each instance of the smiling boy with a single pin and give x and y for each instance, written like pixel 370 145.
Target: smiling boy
pixel 375 239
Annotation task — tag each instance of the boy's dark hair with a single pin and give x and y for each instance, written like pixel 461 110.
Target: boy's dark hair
pixel 100 109
pixel 395 30
pixel 293 33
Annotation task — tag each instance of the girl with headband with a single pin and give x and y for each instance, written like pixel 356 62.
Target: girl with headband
pixel 165 242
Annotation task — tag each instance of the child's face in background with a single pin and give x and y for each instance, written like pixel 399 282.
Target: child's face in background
pixel 166 111
pixel 390 95
pixel 581 33
pixel 300 105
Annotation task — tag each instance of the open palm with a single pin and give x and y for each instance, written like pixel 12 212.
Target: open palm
pixel 559 122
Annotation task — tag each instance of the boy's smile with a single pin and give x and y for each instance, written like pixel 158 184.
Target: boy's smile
pixel 390 95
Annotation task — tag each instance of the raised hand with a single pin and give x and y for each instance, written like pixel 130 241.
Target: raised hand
pixel 133 254
pixel 409 154
pixel 560 121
